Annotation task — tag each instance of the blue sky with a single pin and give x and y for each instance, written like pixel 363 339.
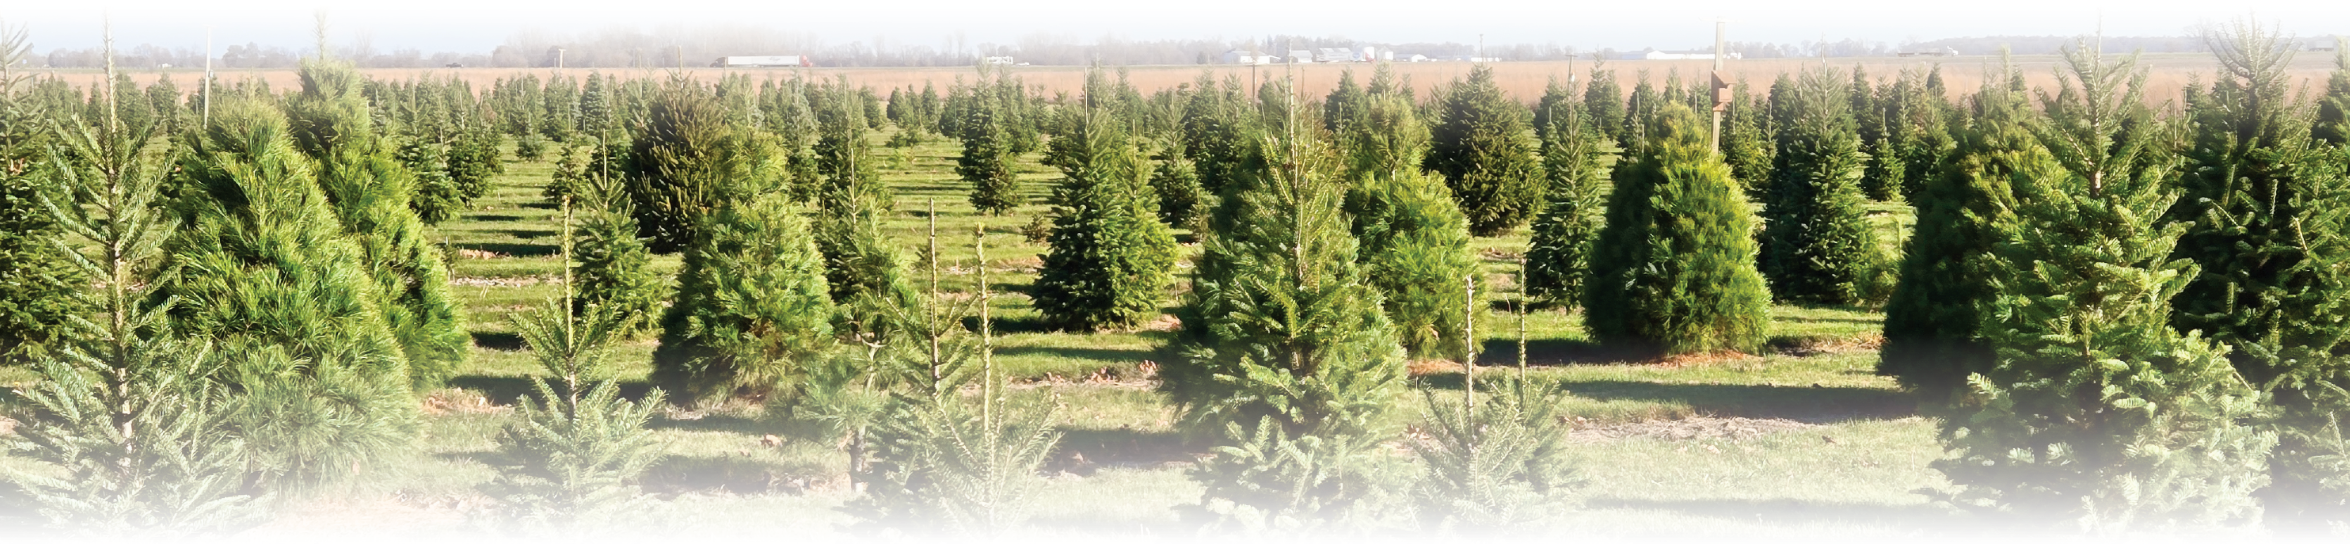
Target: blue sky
pixel 478 25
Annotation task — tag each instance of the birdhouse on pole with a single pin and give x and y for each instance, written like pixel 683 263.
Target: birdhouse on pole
pixel 1721 94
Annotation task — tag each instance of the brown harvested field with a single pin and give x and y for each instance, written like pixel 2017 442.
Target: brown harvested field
pixel 2169 73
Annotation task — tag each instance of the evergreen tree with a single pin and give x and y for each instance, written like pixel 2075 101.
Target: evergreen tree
pixel 987 157
pixel 2265 206
pixel 1933 339
pixel 1558 257
pixel 1818 244
pixel 1480 148
pixel 1109 262
pixel 370 193
pixel 1176 183
pixel 578 444
pixel 1414 240
pixel 2333 111
pixel 1603 99
pixel 1747 140
pixel 39 282
pixel 2097 413
pixel 614 269
pixel 1217 133
pixel 688 160
pixel 126 416
pixel 862 267
pixel 1673 268
pixel 264 269
pixel 751 303
pixel 1286 352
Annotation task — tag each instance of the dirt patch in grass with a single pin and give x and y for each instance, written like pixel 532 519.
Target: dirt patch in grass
pixel 1809 346
pixel 460 401
pixel 1694 428
pixel 1699 359
pixel 510 282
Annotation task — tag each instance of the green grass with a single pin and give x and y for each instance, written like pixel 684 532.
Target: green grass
pixel 1847 458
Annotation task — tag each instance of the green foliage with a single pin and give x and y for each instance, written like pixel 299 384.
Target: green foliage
pixel 1559 255
pixel 1288 361
pixel 37 287
pixel 377 202
pixel 1673 268
pixel 1218 133
pixel 531 147
pixel 864 270
pixel 1933 339
pixel 1603 99
pixel 1500 467
pixel 941 465
pixel 1818 244
pixel 751 303
pixel 1109 262
pixel 2333 110
pixel 2265 203
pixel 1747 142
pixel 2097 414
pixel 688 160
pixel 1176 183
pixel 1414 239
pixel 1480 145
pixel 127 417
pixel 612 268
pixel 987 152
pixel 573 450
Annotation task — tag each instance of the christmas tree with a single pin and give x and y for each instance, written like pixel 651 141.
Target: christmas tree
pixel 1673 270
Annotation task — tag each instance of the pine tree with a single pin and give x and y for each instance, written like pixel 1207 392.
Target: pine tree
pixel 1109 262
pixel 1558 257
pixel 126 416
pixel 1499 467
pixel 987 157
pixel 1747 140
pixel 1176 183
pixel 38 286
pixel 265 271
pixel 1481 149
pixel 371 193
pixel 614 269
pixel 2333 111
pixel 1933 339
pixel 1818 244
pixel 1673 268
pixel 751 303
pixel 1603 99
pixel 1218 134
pixel 1414 240
pixel 2265 203
pixel 2098 414
pixel 1288 360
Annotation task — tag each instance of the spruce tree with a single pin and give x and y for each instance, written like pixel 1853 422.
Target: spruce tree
pixel 2097 414
pixel 1218 133
pixel 1673 268
pixel 126 415
pixel 1818 244
pixel 1176 183
pixel 688 160
pixel 987 157
pixel 1933 339
pixel 1109 262
pixel 1747 140
pixel 1288 362
pixel 38 286
pixel 2333 110
pixel 1558 257
pixel 371 193
pixel 1480 147
pixel 1603 99
pixel 1413 239
pixel 751 303
pixel 862 267
pixel 614 269
pixel 2265 205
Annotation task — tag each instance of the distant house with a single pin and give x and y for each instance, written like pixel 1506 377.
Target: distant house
pixel 1414 58
pixel 1335 55
pixel 763 61
pixel 1301 56
pixel 1245 57
pixel 996 60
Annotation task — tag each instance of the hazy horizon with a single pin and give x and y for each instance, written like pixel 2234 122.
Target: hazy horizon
pixel 475 27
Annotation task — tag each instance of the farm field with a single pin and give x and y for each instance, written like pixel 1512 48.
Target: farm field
pixel 1805 441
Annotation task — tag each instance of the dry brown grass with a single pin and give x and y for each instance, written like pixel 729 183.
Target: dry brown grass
pixel 2170 72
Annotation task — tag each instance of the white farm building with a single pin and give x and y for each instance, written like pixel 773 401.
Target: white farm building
pixel 762 61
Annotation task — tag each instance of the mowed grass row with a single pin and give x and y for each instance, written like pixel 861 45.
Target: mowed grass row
pixel 1805 439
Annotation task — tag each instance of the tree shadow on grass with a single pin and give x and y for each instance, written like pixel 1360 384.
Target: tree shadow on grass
pixel 1809 404
pixel 1560 352
pixel 1109 356
pixel 1083 450
pixel 510 249
pixel 678 474
pixel 503 341
pixel 1793 512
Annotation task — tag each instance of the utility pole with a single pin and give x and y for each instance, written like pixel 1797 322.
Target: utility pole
pixel 1721 88
pixel 207 76
pixel 558 59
